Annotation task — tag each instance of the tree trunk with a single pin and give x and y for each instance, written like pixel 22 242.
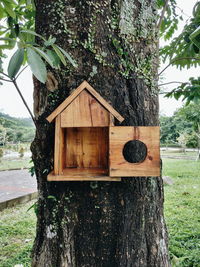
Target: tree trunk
pixel 100 223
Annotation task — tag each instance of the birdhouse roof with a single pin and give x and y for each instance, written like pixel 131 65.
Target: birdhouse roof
pixel 84 86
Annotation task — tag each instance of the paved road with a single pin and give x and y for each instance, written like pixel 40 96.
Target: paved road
pixel 17 183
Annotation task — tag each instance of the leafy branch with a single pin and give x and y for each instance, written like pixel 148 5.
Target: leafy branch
pixel 169 19
pixel 17 29
pixel 37 57
pixel 20 94
pixel 162 14
pixel 178 59
pixel 162 84
pixel 190 91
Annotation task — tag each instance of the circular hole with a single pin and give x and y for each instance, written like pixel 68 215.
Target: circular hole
pixel 134 151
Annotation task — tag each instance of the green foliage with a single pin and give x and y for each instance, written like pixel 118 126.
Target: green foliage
pixel 36 64
pixel 192 140
pixel 15 63
pixel 182 51
pixel 20 31
pixel 15 129
pixel 1 154
pixel 34 56
pixel 172 127
pixel 34 207
pixel 31 169
pixel 191 113
pixel 2 135
pixel 171 19
pixel 18 16
pixel 21 152
pixel 195 38
pixel 189 91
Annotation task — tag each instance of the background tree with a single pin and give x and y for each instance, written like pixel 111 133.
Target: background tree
pixel 3 136
pixel 1 154
pixel 191 113
pixel 172 127
pixel 15 130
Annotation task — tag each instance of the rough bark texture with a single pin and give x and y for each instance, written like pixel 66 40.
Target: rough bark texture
pixel 100 223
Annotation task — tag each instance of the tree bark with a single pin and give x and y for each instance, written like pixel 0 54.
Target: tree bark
pixel 100 223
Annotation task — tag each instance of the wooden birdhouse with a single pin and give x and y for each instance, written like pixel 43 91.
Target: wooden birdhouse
pixel 88 147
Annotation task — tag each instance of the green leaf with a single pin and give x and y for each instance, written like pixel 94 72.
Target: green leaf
pixel 1 11
pixel 9 10
pixel 37 65
pixel 15 63
pixel 35 207
pixel 28 2
pixel 60 55
pixel 7 39
pixel 50 42
pixel 70 59
pixel 52 197
pixel 195 37
pixel 34 33
pixel 44 55
pixel 54 58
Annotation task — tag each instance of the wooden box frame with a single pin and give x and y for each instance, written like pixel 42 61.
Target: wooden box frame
pixel 119 136
pixel 78 158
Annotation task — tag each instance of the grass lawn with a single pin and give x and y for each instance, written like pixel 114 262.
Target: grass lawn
pixel 182 212
pixel 17 231
pixel 8 164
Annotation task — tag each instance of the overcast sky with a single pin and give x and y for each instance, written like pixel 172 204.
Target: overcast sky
pixel 11 104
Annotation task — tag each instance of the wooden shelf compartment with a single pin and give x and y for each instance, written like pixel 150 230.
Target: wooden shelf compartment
pixel 82 174
pixel 81 154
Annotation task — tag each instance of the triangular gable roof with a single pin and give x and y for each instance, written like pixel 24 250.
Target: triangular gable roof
pixel 84 85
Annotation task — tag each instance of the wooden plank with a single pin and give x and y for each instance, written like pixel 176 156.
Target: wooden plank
pixel 104 103
pixel 57 145
pixel 111 122
pixel 67 101
pixel 62 150
pixel 84 116
pixel 87 147
pixel 90 174
pixel 85 111
pixel 99 115
pixel 73 96
pixel 103 147
pixel 59 155
pixel 71 151
pixel 119 136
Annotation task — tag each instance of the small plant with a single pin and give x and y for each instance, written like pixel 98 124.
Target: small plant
pixel 31 169
pixel 21 152
pixel 1 154
pixel 34 207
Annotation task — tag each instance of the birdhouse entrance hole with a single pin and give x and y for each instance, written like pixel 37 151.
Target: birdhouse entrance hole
pixel 135 151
